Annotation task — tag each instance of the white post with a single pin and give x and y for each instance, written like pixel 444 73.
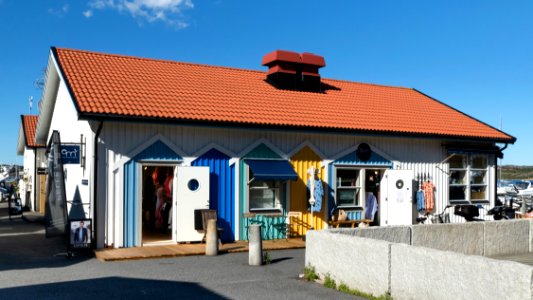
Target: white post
pixel 255 245
pixel 211 238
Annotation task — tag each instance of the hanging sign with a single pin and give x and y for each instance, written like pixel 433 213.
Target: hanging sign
pixel 70 154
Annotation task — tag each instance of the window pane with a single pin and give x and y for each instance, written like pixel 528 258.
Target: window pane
pixel 478 161
pixel 478 193
pixel 346 177
pixel 457 193
pixel 478 177
pixel 262 199
pixel 261 184
pixel 458 161
pixel 348 197
pixel 458 177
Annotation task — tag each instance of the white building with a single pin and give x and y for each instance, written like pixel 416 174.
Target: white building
pixel 155 134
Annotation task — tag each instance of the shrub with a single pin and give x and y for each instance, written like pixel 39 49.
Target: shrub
pixel 310 273
pixel 329 282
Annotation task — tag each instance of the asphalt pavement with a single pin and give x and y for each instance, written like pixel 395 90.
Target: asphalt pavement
pixel 34 267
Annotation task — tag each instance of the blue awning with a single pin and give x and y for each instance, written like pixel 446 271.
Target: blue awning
pixel 271 169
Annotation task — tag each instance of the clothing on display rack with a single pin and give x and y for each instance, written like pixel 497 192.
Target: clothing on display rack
pixel 371 206
pixel 429 195
pixel 420 200
pixel 318 193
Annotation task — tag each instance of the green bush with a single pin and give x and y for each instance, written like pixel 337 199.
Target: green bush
pixel 329 282
pixel 267 259
pixel 310 273
pixel 345 289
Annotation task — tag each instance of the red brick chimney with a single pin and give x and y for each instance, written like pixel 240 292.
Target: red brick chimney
pixel 294 71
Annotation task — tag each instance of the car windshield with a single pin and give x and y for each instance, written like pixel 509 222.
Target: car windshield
pixel 522 185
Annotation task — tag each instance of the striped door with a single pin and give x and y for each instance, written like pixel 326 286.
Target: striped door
pixel 301 163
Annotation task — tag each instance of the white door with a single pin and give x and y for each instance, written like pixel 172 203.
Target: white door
pixel 192 192
pixel 397 193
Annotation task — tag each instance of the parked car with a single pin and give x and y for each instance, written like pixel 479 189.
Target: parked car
pixel 6 189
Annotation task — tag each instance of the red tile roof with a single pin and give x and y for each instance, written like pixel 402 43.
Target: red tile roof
pixel 113 85
pixel 29 124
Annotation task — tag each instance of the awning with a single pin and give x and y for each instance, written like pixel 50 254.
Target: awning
pixel 271 169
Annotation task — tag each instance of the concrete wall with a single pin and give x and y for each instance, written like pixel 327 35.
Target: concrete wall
pixel 491 238
pixel 410 272
pixel 466 238
pixel 357 262
pixel 417 273
pixel 393 234
pixel 507 237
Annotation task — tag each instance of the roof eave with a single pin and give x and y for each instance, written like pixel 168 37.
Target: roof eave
pixel 175 121
pixel 510 140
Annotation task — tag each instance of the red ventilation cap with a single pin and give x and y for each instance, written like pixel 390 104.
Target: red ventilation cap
pixel 313 59
pixel 281 56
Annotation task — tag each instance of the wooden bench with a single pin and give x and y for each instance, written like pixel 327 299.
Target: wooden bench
pixel 352 223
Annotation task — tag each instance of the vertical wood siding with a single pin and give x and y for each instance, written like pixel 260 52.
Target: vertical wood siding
pixel 272 227
pixel 417 154
pixel 301 162
pixel 155 152
pixel 221 190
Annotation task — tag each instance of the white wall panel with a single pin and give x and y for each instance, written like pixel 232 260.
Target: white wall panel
pixel 65 120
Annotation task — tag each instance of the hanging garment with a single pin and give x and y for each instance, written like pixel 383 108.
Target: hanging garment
pixel 420 200
pixel 168 186
pixel 371 206
pixel 429 195
pixel 159 207
pixel 318 193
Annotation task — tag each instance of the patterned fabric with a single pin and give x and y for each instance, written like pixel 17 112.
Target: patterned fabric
pixel 420 205
pixel 371 206
pixel 318 193
pixel 429 195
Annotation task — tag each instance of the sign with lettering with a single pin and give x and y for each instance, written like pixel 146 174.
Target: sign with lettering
pixel 70 154
pixel 80 234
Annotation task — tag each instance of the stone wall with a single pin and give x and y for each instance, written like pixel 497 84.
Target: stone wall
pixel 357 262
pixel 397 260
pixel 417 273
pixel 393 234
pixel 466 238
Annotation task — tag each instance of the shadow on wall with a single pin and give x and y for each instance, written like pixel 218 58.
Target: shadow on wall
pixel 111 288
pixel 76 209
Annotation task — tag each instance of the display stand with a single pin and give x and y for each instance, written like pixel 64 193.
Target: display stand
pixel 80 236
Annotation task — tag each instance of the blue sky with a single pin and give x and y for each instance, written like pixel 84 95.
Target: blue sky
pixel 476 56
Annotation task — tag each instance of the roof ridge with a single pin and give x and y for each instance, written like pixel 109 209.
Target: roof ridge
pixel 159 60
pixel 217 66
pixel 372 84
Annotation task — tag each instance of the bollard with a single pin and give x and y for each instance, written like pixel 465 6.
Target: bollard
pixel 255 245
pixel 211 238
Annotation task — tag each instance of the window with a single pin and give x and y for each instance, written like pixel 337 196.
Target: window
pixel 348 187
pixel 264 195
pixel 468 178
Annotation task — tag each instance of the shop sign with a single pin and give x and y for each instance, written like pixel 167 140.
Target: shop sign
pixel 70 154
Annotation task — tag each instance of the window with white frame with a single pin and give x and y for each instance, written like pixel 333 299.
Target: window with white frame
pixel 264 195
pixel 468 179
pixel 348 187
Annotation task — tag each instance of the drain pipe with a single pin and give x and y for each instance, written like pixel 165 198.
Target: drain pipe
pixel 34 179
pixel 499 154
pixel 95 182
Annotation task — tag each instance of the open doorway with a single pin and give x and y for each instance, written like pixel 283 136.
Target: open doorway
pixel 372 181
pixel 156 214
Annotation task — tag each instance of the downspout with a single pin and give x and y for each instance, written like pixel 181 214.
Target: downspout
pixel 34 184
pixel 499 154
pixel 95 180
